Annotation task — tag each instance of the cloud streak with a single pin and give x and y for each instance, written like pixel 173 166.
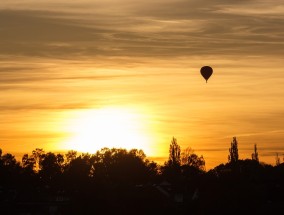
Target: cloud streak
pixel 171 28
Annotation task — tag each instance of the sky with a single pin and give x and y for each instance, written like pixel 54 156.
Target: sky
pixel 124 73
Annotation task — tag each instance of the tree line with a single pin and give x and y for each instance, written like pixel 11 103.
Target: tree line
pixel 111 177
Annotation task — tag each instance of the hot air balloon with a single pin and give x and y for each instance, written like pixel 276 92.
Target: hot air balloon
pixel 206 72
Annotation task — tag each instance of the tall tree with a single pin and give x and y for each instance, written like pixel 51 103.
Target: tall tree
pixel 277 159
pixel 254 156
pixel 174 153
pixel 234 153
pixel 38 156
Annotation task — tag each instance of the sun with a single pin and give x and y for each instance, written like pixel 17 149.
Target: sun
pixel 91 130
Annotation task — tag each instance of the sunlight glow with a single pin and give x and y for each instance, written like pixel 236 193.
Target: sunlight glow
pixel 91 130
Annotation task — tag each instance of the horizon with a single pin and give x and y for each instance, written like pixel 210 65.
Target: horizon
pixel 91 74
pixel 162 160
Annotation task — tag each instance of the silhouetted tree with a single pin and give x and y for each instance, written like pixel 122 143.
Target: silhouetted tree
pixel 185 154
pixel 9 168
pixel 152 169
pixel 70 156
pixel 197 162
pixel 107 180
pixel 28 163
pixel 9 160
pixel 254 156
pixel 38 155
pixel 234 154
pixel 78 170
pixel 174 153
pixel 277 160
pixel 171 170
pixel 1 163
pixel 119 166
pixel 189 158
pixel 51 165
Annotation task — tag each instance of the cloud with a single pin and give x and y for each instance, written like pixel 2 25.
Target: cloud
pixel 130 28
pixel 27 33
pixel 44 106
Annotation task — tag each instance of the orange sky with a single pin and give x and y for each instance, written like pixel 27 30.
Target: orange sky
pixel 64 63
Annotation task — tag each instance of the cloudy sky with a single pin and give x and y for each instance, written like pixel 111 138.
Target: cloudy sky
pixel 63 61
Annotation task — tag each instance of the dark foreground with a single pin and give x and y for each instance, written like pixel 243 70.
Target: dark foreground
pixel 116 181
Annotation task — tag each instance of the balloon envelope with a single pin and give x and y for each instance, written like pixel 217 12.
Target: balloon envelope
pixel 206 72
